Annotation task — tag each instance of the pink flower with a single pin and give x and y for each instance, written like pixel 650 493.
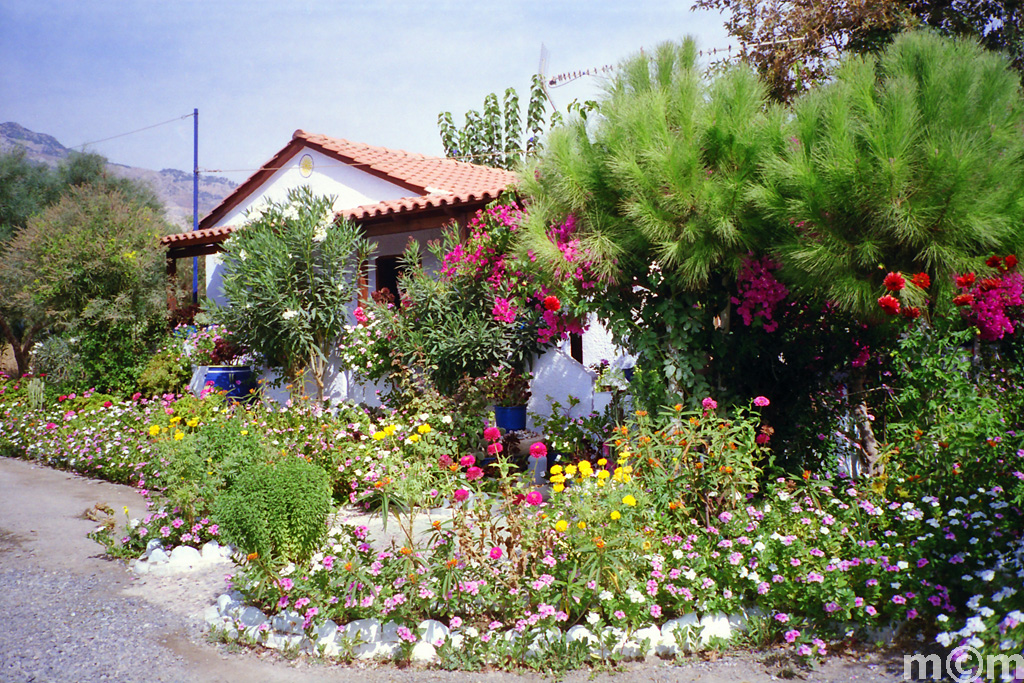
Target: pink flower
pixel 782 617
pixel 455 622
pixel 461 494
pixel 539 450
pixel 286 584
pixel 136 396
pixel 761 439
pixel 475 472
pixel 492 433
pixel 791 636
pixel 534 498
pixel 495 448
pixel 761 402
pixel 709 403
pixel 107 404
pixel 360 315
pixel 467 460
pixel 503 310
pixel 495 553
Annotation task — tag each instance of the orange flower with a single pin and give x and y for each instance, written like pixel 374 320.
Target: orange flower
pixel 673 505
pixel 807 475
pixel 348 566
pixel 252 556
pixel 599 542
pixel 725 469
pixel 436 524
pixel 677 407
pixel 405 550
pixel 452 563
pixel 699 466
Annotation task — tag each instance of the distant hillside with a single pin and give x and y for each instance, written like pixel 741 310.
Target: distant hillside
pixel 173 187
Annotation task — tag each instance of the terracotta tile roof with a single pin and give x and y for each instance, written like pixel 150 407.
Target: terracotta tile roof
pixel 436 181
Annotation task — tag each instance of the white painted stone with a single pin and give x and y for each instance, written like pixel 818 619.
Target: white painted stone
pixel 158 556
pixel 289 622
pixel 153 544
pixel 211 615
pixel 389 633
pixel 326 631
pixel 377 650
pixel 715 625
pixel 140 567
pixel 162 569
pixel 617 637
pixel 652 634
pixel 252 616
pixel 282 641
pixel 363 630
pixel 579 632
pixel 433 632
pixel 423 652
pixel 184 558
pixel 211 552
pixel 225 602
pixel 688 625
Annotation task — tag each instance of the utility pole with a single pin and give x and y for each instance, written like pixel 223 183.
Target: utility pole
pixel 195 200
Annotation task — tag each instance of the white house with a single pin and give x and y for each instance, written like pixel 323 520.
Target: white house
pixel 395 196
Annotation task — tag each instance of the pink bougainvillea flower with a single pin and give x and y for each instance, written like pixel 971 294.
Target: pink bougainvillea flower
pixel 492 433
pixel 761 402
pixel 474 473
pixel 894 282
pixel 889 304
pixel 467 460
pixel 552 303
pixel 709 403
pixel 539 450
pixel 495 553
pixel 534 498
pixel 461 494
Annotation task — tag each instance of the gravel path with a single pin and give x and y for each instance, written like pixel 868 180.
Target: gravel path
pixel 69 614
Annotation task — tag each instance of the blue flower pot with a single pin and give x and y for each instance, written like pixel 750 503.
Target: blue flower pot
pixel 237 381
pixel 511 418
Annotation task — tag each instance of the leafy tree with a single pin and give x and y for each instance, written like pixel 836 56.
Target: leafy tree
pixel 25 189
pixel 495 137
pixel 288 278
pixel 912 162
pixel 796 44
pixel 655 188
pixel 90 266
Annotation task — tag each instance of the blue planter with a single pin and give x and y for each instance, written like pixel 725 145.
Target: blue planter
pixel 510 418
pixel 237 381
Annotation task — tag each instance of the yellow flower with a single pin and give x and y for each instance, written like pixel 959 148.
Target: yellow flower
pixel 179 435
pixel 390 430
pixel 629 500
pixel 413 438
pixel 602 462
pixel 176 419
pixel 561 526
pixel 601 483
pixel 154 430
pixel 585 469
pixel 245 432
pixel 557 479
pixel 193 422
pixel 557 469
pixel 623 455
pixel 603 474
pixel 558 488
pixel 570 470
pixel 423 429
pixel 581 525
pixel 125 510
pixel 616 514
pixel 377 436
pixel 628 469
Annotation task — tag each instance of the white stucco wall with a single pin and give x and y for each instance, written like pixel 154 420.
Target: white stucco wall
pixel 394 245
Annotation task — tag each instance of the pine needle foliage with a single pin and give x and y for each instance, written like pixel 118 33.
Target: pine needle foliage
pixel 658 176
pixel 911 161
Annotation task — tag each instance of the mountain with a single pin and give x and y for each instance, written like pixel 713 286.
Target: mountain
pixel 173 187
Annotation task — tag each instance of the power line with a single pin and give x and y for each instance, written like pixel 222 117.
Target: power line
pixel 132 132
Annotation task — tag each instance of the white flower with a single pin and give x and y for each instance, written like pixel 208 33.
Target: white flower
pixel 604 595
pixel 289 314
pixel 320 234
pixel 942 617
pixel 987 575
pixel 593 618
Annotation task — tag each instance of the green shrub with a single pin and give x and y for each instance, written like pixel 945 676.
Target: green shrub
pixel 166 373
pixel 277 510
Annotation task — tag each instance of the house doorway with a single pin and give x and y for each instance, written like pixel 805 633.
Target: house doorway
pixel 388 270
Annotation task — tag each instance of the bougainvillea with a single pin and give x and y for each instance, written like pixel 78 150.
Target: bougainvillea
pixel 759 292
pixel 987 303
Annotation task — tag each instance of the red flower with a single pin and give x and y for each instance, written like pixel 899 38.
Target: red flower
pixel 990 283
pixel 993 261
pixel 889 304
pixel 963 299
pixel 921 280
pixel 1010 262
pixel 894 282
pixel 964 281
pixel 911 312
pixel 552 303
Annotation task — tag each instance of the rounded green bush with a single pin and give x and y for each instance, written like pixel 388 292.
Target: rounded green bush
pixel 278 510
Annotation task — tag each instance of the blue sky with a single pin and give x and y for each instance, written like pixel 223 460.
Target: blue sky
pixel 375 72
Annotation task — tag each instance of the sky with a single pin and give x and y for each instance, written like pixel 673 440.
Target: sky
pixel 373 72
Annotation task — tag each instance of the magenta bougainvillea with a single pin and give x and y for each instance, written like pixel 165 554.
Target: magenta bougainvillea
pixel 988 303
pixel 759 292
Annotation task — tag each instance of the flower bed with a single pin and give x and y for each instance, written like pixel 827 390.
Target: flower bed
pixel 675 524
